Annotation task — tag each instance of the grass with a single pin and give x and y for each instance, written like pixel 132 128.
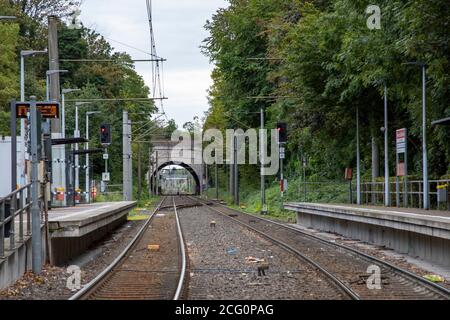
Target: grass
pixel 251 199
pixel 143 205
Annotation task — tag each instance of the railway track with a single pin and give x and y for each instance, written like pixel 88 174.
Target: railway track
pixel 346 267
pixel 227 258
pixel 144 273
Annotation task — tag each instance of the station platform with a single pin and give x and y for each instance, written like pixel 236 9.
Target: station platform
pixel 418 233
pixel 74 229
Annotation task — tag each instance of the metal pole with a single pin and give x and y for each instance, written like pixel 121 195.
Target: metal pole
pixel 53 55
pixel 149 173
pixel 236 174
pixel 13 147
pixel 139 172
pixel 281 174
pixel 22 78
pixel 47 90
pixel 358 161
pixel 157 175
pixel 426 195
pixel 304 177
pixel 217 181
pixel 387 197
pixel 262 154
pixel 406 200
pixel 126 158
pixel 35 209
pixel 63 115
pixel 87 182
pixel 76 134
pixel 207 180
pixel 106 169
pixel 23 141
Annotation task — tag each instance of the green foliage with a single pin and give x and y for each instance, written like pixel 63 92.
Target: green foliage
pixel 96 80
pixel 326 64
pixel 9 69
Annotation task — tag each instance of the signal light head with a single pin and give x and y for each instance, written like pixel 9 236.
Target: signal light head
pixel 105 134
pixel 282 132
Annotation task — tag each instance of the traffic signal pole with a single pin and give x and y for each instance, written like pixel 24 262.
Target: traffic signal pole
pixel 262 158
pixel 282 140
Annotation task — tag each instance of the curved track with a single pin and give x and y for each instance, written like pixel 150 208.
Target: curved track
pixel 143 274
pixel 347 267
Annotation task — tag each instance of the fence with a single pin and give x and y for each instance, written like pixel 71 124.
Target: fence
pixel 401 193
pixel 13 206
pixel 109 192
pixel 405 193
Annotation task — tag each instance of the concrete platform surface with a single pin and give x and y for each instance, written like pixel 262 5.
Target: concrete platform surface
pixel 83 219
pixel 418 233
pixel 434 223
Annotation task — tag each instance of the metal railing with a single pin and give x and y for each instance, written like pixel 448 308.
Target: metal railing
pixel 405 193
pixel 402 193
pixel 15 205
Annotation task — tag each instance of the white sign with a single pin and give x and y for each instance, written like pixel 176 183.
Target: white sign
pixel 282 153
pixel 400 136
pixel 105 176
pixel 105 156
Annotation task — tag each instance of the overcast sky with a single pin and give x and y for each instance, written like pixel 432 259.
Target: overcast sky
pixel 178 28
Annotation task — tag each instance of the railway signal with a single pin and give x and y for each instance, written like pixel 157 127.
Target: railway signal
pixel 282 132
pixel 282 140
pixel 105 134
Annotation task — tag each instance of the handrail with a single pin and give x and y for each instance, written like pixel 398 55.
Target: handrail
pixel 18 203
pixel 15 192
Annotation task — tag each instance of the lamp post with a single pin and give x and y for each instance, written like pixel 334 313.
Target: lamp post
pixel 23 54
pixel 87 182
pixel 262 145
pixel 63 109
pixel 387 196
pixel 358 162
pixel 426 188
pixel 47 76
pixel 76 134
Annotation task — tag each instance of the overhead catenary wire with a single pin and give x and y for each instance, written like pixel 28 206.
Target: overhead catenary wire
pixel 156 65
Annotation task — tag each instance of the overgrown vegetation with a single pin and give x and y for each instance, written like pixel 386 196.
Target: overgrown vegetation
pixel 96 80
pixel 324 63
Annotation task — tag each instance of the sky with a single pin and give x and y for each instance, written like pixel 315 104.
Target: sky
pixel 178 30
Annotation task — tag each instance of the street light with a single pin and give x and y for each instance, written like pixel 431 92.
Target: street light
pixel 63 109
pixel 426 195
pixel 88 182
pixel 23 54
pixel 387 195
pixel 76 134
pixel 47 76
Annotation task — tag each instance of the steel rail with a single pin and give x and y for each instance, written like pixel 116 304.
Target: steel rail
pixel 346 289
pixel 438 289
pixel 183 254
pixel 98 279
